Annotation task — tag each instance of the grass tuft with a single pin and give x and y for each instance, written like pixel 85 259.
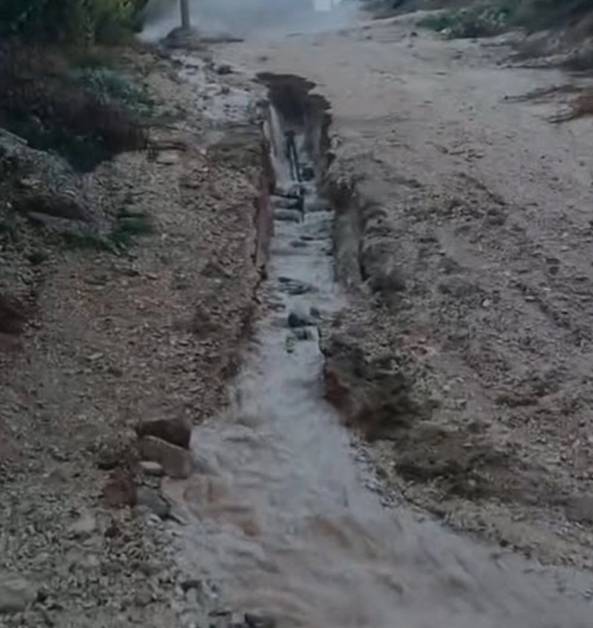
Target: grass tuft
pixel 128 227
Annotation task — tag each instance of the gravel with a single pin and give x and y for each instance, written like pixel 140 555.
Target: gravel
pixel 109 341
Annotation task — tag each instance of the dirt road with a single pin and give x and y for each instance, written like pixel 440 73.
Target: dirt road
pixel 151 331
pixel 445 350
pixel 459 343
pixel 471 223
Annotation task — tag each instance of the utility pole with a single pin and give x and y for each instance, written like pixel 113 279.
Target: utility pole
pixel 185 16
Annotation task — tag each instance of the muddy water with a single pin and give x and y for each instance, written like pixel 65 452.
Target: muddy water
pixel 277 512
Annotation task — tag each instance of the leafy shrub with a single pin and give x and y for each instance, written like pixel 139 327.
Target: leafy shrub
pixel 128 227
pixel 42 103
pixel 490 18
pixel 74 21
pixel 481 20
pixel 112 86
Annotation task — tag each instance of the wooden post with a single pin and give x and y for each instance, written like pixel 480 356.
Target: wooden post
pixel 185 15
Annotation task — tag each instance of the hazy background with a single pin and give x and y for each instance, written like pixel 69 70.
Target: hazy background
pixel 246 18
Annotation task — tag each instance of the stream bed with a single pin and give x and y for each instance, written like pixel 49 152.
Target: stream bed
pixel 277 511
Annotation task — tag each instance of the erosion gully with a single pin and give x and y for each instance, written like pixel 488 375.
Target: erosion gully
pixel 277 512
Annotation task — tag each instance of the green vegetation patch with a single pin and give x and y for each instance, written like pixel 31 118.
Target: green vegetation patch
pixel 481 20
pixel 129 226
pixel 71 21
pixel 115 87
pixel 85 115
pixel 485 19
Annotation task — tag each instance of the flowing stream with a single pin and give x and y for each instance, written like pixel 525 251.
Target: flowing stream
pixel 277 510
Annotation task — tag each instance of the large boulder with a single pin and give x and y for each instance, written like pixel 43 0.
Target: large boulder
pixel 176 461
pixel 40 183
pixel 176 431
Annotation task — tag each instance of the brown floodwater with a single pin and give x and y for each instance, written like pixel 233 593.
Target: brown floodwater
pixel 278 511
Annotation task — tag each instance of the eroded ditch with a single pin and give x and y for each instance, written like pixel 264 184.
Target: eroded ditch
pixel 276 511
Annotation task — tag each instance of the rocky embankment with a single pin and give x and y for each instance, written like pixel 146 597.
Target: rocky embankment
pixel 125 294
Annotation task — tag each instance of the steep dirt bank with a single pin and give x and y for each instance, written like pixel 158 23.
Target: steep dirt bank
pixel 468 353
pixel 109 338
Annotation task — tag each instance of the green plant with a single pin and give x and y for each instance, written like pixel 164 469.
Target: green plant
pixel 88 241
pixel 128 226
pixel 494 16
pixel 74 21
pixel 42 102
pixel 480 20
pixel 439 22
pixel 112 86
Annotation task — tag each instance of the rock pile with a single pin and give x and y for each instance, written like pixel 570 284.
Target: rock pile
pixel 164 446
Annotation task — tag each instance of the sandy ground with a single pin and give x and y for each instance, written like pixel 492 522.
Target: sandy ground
pixel 483 206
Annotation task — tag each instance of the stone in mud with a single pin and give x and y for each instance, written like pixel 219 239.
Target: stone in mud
pixel 285 202
pixel 16 593
pixel 175 460
pixel 293 190
pixel 257 620
pixel 317 205
pixel 223 69
pixel 287 215
pixel 151 468
pixel 154 501
pixel 294 287
pixel 176 431
pixel 303 334
pixel 308 173
pixel 168 158
pixel 191 583
pixel 298 319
